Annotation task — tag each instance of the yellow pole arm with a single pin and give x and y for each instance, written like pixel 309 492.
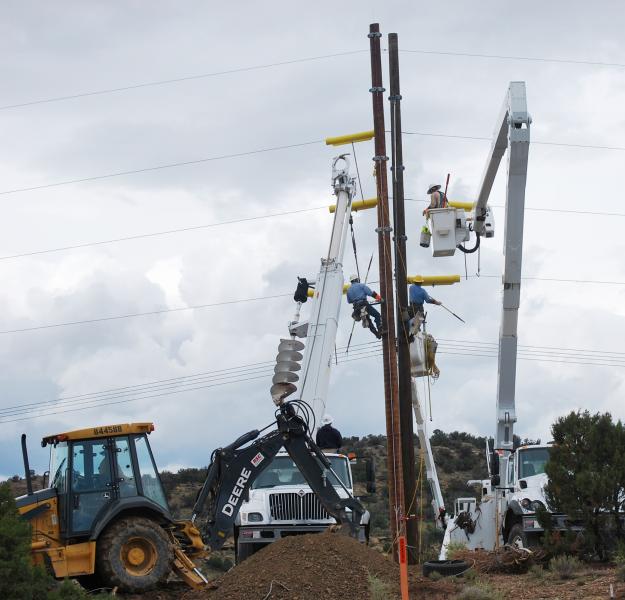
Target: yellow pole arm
pixel 427 280
pixel 468 206
pixel 358 205
pixel 351 138
pixel 434 279
pixel 311 293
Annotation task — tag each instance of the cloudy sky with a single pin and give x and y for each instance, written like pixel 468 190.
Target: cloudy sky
pixel 219 105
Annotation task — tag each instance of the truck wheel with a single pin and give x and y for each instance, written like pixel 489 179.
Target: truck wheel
pixel 134 554
pixel 244 551
pixel 517 537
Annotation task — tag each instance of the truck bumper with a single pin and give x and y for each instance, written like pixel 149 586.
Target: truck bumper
pixel 271 533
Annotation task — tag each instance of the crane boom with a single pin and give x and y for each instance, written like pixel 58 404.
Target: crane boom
pixel 326 302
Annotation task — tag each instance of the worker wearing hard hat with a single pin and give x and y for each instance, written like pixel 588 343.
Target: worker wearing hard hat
pixel 357 294
pixel 438 199
pixel 418 297
pixel 328 438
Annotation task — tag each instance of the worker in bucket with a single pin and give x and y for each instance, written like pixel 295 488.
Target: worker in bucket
pixel 357 294
pixel 418 297
pixel 328 438
pixel 438 199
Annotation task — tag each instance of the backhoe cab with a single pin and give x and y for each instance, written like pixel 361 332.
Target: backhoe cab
pixel 105 511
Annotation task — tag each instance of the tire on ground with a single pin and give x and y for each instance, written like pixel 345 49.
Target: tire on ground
pixel 134 554
pixel 446 568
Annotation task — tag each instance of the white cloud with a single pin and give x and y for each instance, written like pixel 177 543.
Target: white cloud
pixel 47 53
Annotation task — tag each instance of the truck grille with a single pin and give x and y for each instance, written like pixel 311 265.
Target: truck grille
pixel 293 507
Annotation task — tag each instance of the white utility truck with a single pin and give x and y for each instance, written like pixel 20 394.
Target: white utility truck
pixel 280 502
pixel 506 509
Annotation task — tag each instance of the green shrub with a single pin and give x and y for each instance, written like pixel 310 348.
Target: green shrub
pixel 537 572
pixel 479 592
pixel 565 567
pixel 454 548
pixel 378 589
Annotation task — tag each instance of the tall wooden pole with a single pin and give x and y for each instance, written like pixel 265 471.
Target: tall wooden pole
pixel 391 392
pixel 401 297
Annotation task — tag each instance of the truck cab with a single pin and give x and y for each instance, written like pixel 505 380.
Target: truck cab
pixel 281 503
pixel 526 480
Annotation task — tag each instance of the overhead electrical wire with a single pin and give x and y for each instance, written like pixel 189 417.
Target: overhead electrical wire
pixel 212 74
pixel 159 167
pixel 254 299
pixel 250 153
pixel 571 61
pixel 253 371
pixel 158 233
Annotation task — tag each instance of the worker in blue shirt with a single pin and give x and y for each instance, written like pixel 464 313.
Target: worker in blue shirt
pixel 418 297
pixel 357 294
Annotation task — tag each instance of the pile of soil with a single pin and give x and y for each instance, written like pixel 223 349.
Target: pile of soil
pixel 327 566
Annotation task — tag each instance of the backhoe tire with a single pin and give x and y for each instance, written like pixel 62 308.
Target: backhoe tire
pixel 134 554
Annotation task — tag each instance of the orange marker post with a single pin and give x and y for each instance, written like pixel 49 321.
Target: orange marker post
pixel 403 567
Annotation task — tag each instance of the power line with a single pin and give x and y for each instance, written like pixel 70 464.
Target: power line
pixel 178 79
pixel 257 298
pixel 158 167
pixel 291 62
pixel 252 371
pixel 158 233
pixel 523 58
pixel 536 208
pixel 143 314
pixel 252 152
pixel 555 279
pixel 532 142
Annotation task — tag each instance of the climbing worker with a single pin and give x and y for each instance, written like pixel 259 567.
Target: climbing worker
pixel 438 199
pixel 418 296
pixel 357 294
pixel 328 438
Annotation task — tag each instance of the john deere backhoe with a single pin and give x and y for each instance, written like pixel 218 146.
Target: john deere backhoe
pixel 105 514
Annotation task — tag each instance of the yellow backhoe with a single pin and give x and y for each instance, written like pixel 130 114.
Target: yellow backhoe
pixel 105 513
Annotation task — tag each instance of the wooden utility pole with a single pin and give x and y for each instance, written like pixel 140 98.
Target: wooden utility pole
pixel 391 392
pixel 401 297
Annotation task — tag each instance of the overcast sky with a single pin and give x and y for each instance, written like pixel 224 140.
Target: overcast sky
pixel 70 48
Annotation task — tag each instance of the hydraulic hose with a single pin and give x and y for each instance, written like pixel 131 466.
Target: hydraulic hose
pixel 470 250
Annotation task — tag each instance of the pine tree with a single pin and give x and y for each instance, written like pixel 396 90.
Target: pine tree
pixel 586 472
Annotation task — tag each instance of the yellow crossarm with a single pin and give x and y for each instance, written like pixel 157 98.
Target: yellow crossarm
pixel 351 138
pixel 468 206
pixel 358 205
pixel 434 279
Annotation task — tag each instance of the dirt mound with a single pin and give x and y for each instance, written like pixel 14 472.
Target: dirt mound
pixel 326 566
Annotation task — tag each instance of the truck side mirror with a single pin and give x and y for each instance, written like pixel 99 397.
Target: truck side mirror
pixel 370 471
pixel 45 480
pixel 523 484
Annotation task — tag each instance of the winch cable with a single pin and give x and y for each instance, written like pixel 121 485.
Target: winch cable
pixel 351 333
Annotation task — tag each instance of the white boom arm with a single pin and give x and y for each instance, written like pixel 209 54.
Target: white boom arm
pixel 326 301
pixel 438 504
pixel 513 131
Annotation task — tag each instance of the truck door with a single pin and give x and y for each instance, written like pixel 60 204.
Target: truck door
pixel 91 483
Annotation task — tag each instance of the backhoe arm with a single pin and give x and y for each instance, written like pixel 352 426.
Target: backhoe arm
pixel 234 469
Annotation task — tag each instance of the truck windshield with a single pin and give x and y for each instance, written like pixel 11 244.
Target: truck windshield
pixel 532 461
pixel 283 471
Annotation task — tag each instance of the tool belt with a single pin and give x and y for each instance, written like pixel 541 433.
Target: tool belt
pixel 358 306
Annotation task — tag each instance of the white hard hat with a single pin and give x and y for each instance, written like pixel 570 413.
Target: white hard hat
pixel 434 188
pixel 327 420
pixel 354 277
